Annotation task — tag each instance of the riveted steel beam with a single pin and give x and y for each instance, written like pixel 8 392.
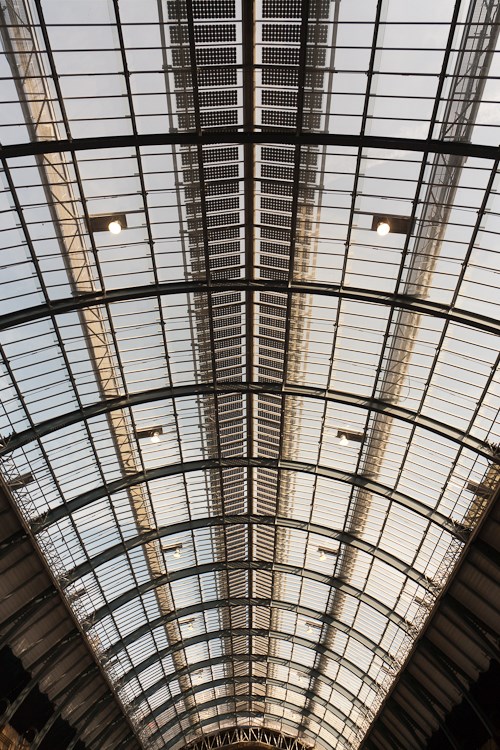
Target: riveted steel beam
pixel 371 296
pixel 207 138
pixel 62 421
pixel 246 565
pixel 161 472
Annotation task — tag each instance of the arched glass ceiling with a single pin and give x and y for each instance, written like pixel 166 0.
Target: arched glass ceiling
pixel 250 435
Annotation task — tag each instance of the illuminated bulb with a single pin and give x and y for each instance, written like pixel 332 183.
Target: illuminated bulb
pixel 309 629
pixel 343 440
pixel 177 552
pixel 383 228
pixel 190 626
pixel 322 555
pixel 155 437
pixel 115 227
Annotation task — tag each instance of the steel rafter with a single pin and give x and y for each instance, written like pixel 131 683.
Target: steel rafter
pixel 356 294
pixel 207 138
pixel 85 499
pixel 252 601
pixel 200 523
pixel 227 659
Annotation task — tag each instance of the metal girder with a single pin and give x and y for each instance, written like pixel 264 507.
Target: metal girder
pixel 275 521
pixel 180 614
pixel 182 716
pixel 256 734
pixel 276 635
pixel 185 612
pixel 110 296
pixel 207 138
pixel 250 713
pixel 245 679
pixel 47 427
pixel 161 472
pixel 246 658
pixel 230 658
pixel 246 565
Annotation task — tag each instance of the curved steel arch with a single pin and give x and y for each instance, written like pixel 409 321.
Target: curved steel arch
pixel 214 604
pixel 206 138
pixel 251 714
pixel 276 521
pixel 356 480
pixel 355 294
pixel 230 658
pixel 306 712
pixel 214 567
pixel 276 635
pixel 49 426
pixel 252 601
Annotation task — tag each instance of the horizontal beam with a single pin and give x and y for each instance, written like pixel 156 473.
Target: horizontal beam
pixel 207 138
pixel 251 601
pixel 179 614
pixel 162 472
pixel 110 296
pixel 192 390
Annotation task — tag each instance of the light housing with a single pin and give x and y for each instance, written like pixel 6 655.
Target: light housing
pixel 152 433
pixel 103 223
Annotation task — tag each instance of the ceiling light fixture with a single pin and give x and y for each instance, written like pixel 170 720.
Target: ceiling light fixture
pixel 113 223
pixel 115 226
pixel 152 433
pixel 175 548
pixel 346 437
pixel 324 552
pixel 385 223
pixel 383 227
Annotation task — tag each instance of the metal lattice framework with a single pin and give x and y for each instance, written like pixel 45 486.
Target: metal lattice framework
pixel 250 436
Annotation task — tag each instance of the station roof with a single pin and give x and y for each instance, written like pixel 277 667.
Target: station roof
pixel 249 341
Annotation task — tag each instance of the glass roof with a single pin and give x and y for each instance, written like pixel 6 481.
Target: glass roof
pixel 248 433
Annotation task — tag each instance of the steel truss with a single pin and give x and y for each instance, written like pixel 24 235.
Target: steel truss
pixel 239 735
